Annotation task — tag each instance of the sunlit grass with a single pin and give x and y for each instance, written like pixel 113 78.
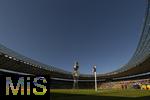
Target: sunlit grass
pixel 70 94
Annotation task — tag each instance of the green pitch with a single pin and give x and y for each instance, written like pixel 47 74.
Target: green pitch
pixel 81 94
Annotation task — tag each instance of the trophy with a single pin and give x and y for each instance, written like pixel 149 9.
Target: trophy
pixel 75 75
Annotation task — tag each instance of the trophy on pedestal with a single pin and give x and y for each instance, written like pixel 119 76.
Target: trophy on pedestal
pixel 75 75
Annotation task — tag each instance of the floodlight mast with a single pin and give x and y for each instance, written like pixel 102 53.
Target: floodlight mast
pixel 75 75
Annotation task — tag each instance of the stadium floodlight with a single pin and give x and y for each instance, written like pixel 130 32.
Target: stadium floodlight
pixel 6 55
pixel 10 57
pixel 94 71
pixel 28 63
pixel 14 58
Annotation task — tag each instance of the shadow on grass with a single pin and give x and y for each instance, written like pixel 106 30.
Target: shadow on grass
pixel 62 96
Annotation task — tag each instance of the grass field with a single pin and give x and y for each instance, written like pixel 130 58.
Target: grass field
pixel 81 94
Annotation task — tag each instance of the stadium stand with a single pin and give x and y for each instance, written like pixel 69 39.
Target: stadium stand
pixel 129 84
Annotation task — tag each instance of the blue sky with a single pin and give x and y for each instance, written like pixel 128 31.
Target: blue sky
pixel 59 32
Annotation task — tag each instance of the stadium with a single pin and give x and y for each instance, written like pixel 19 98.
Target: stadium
pixel 131 81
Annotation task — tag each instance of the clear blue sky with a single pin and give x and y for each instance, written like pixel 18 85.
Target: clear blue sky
pixel 60 32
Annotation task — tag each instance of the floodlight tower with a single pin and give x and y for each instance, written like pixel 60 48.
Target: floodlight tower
pixel 75 75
